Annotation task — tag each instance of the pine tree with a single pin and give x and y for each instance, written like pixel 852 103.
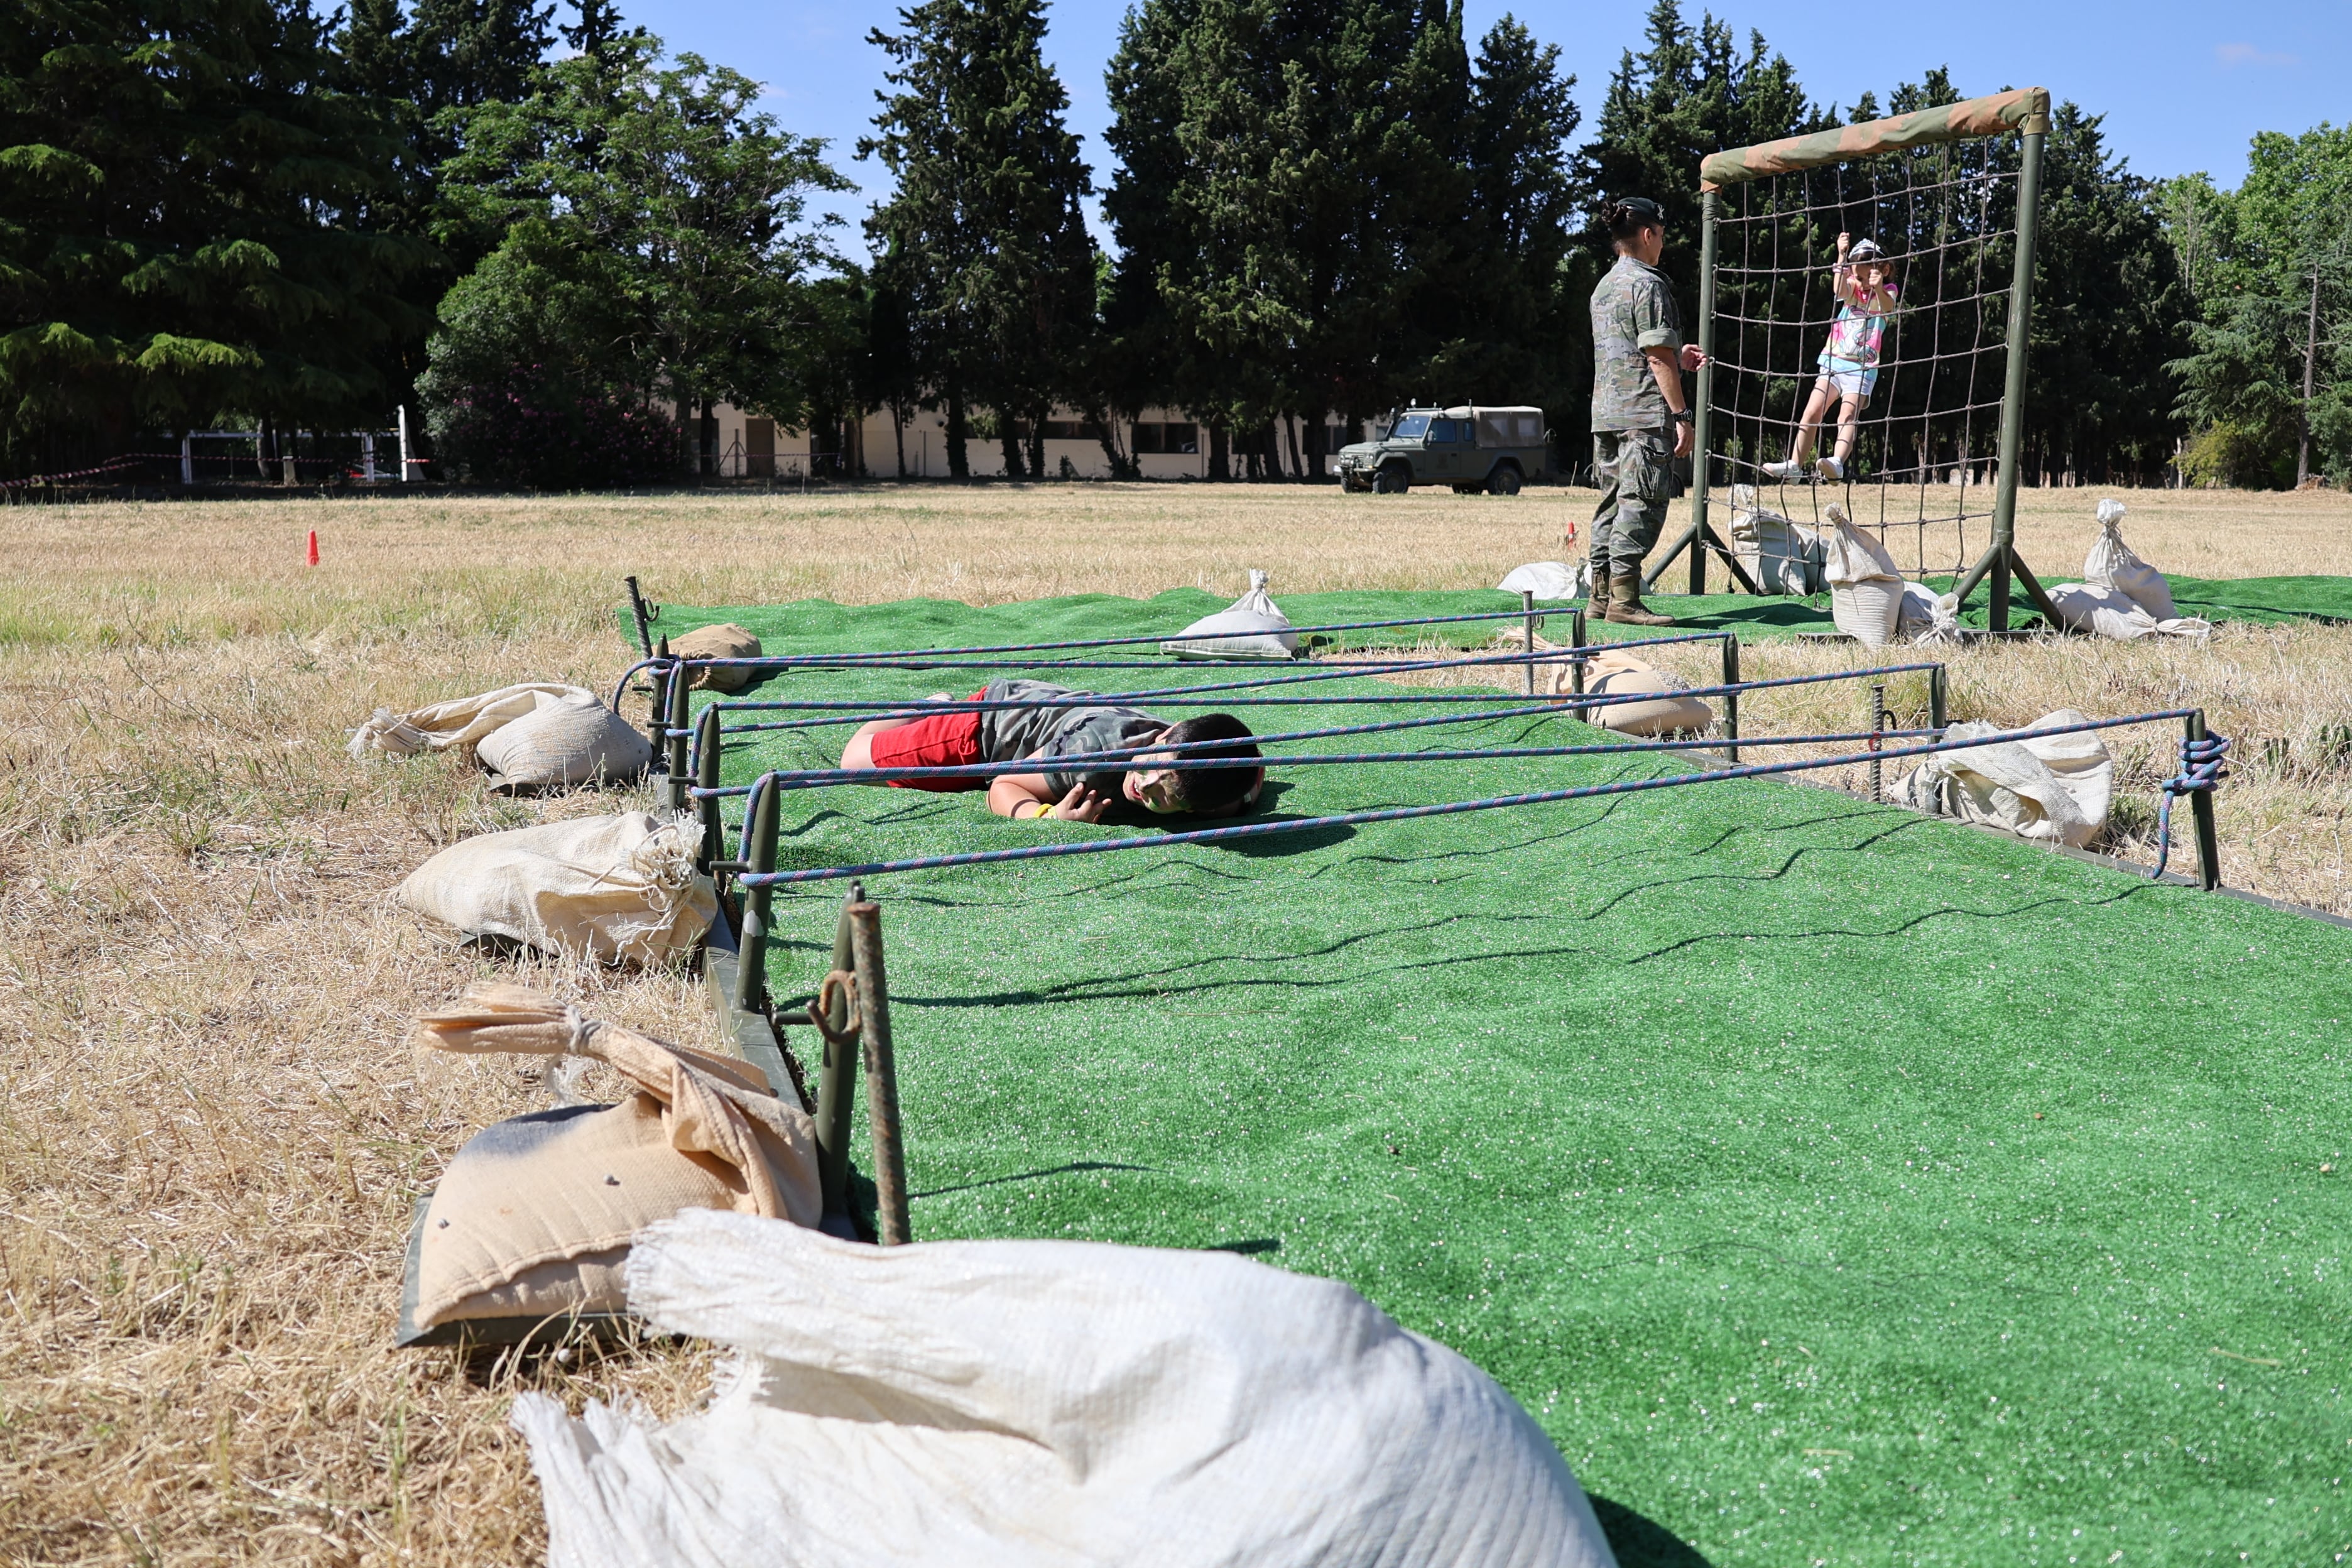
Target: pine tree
pixel 984 238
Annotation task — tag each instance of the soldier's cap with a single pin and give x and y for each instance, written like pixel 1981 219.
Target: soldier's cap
pixel 1645 209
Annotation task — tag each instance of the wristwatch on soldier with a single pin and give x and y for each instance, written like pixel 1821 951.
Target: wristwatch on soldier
pixel 1681 416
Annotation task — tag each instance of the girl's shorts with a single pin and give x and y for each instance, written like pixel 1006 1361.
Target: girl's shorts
pixel 1850 380
pixel 944 741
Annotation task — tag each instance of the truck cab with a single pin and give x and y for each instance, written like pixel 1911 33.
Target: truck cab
pixel 1473 448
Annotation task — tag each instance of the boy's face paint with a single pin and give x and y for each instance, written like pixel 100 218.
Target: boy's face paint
pixel 1150 787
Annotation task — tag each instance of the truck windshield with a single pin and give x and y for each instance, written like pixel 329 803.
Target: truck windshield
pixel 1412 427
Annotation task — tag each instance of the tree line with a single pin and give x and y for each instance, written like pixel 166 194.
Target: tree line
pixel 559 248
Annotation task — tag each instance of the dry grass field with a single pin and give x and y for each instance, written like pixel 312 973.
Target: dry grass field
pixel 212 1122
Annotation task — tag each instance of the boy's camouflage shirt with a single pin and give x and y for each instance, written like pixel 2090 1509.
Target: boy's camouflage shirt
pixel 1632 310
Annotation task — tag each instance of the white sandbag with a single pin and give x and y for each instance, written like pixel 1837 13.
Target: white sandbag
pixel 1549 579
pixel 2054 788
pixel 462 721
pixel 535 1215
pixel 1866 586
pixel 1674 711
pixel 2112 564
pixel 568 740
pixel 726 640
pixel 2110 612
pixel 621 888
pixel 1044 1405
pixel 1250 627
pixel 1926 615
pixel 1781 555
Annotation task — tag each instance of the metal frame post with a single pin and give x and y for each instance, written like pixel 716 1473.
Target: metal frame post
pixel 644 620
pixel 1731 698
pixel 1939 702
pixel 1528 623
pixel 674 723
pixel 1877 723
pixel 837 1084
pixel 2200 807
pixel 760 826
pixel 881 1075
pixel 2000 555
pixel 1701 425
pixel 707 746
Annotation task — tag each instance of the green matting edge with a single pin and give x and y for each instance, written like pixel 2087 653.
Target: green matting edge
pixel 1833 1183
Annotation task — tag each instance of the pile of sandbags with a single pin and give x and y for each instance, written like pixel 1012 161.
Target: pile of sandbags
pixel 2052 787
pixel 1670 712
pixel 1251 626
pixel 533 736
pixel 726 640
pixel 1551 579
pixel 620 888
pixel 2121 597
pixel 1046 1404
pixel 534 1218
pixel 1865 585
pixel 1781 557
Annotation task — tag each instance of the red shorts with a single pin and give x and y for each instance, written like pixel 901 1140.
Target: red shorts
pixel 946 740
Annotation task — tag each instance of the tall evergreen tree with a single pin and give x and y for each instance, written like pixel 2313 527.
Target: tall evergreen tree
pixel 984 238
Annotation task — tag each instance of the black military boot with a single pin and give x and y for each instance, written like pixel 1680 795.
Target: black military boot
pixel 1596 598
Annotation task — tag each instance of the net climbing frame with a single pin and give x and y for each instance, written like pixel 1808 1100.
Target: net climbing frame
pixel 1953 204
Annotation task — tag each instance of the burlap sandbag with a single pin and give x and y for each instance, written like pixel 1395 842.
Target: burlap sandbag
pixel 568 740
pixel 1781 555
pixel 534 1216
pixel 2052 787
pixel 726 640
pixel 462 721
pixel 621 888
pixel 1866 586
pixel 1621 674
pixel 2112 564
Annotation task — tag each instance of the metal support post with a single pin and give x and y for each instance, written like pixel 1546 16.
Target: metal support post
pixel 707 748
pixel 1702 426
pixel 2200 806
pixel 644 618
pixel 759 823
pixel 881 1076
pixel 2001 553
pixel 1731 698
pixel 407 463
pixel 836 1090
pixel 188 460
pixel 1939 702
pixel 677 698
pixel 1527 622
pixel 1877 723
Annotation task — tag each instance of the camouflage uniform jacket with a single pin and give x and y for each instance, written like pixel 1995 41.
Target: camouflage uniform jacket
pixel 1632 310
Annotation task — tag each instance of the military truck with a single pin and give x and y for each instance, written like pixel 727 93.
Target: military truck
pixel 1471 449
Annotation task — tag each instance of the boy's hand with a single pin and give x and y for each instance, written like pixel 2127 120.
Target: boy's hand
pixel 1081 805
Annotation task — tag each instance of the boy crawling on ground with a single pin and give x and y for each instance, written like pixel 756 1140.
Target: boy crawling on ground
pixel 1014 734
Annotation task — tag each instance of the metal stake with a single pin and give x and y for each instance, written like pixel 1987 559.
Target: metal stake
pixel 882 1075
pixel 644 621
pixel 678 699
pixel 1731 698
pixel 1877 723
pixel 1528 620
pixel 758 900
pixel 836 1090
pixel 1702 426
pixel 2200 806
pixel 1939 702
pixel 707 745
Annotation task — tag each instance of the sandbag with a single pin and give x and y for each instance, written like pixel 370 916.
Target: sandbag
pixel 1549 579
pixel 1044 1405
pixel 2054 788
pixel 462 721
pixel 534 1216
pixel 568 740
pixel 2110 612
pixel 726 640
pixel 1925 615
pixel 621 888
pixel 1621 674
pixel 1865 587
pixel 2112 564
pixel 1250 627
pixel 1781 557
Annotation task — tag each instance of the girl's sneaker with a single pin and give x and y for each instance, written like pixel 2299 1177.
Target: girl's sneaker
pixel 1784 471
pixel 1827 469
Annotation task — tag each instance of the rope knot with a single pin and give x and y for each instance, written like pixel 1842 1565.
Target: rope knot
pixel 2204 763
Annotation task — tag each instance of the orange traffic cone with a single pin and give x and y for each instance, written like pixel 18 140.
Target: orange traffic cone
pixel 314 547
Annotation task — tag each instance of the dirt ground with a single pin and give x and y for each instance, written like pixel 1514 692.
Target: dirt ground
pixel 213 1124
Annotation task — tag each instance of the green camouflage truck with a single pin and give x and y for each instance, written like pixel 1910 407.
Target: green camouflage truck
pixel 1471 449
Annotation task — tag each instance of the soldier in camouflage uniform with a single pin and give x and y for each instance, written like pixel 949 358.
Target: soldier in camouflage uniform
pixel 1641 423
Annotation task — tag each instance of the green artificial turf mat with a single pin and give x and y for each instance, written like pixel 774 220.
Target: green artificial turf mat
pixel 812 625
pixel 1834 1184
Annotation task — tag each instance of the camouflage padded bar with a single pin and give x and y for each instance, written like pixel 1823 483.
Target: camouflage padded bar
pixel 2023 109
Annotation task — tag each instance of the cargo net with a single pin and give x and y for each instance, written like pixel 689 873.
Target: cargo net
pixel 1921 470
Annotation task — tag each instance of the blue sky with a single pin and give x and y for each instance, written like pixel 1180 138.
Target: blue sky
pixel 2183 85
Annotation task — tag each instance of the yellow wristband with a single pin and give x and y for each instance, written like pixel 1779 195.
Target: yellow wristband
pixel 1044 811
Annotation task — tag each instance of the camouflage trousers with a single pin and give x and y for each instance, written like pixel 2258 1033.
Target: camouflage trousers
pixel 1636 472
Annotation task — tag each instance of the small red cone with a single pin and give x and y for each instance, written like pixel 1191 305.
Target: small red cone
pixel 314 547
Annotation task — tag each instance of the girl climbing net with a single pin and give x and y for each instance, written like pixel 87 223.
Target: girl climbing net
pixel 1865 286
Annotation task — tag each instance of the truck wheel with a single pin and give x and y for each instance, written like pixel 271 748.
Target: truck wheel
pixel 1504 481
pixel 1394 480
